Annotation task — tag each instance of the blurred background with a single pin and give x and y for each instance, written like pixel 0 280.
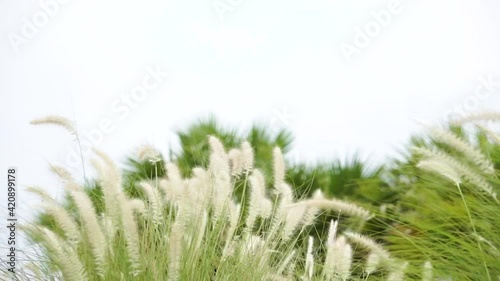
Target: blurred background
pixel 343 77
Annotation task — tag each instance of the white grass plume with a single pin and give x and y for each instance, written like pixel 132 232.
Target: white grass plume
pixel 313 212
pixel 247 156
pixel 65 256
pixel 332 232
pixel 338 260
pixel 66 124
pixel 336 205
pixel 93 231
pixel 56 120
pixel 278 168
pixel 137 205
pixel 175 245
pixel 309 267
pixel 217 147
pixel 286 198
pixel 131 232
pixel 109 229
pixel 494 136
pixel 440 168
pixel 236 160
pixel 293 220
pixel 110 181
pixel 221 180
pixel 87 215
pixel 155 202
pixel 480 116
pixel 234 214
pixel 369 245
pixel 398 272
pixel 463 170
pixel 201 230
pixel 251 246
pixel 64 221
pixel 173 187
pixel 372 262
pixel 465 148
pixel 175 250
pixel 257 194
pixel 44 195
pixel 62 173
pixel 148 153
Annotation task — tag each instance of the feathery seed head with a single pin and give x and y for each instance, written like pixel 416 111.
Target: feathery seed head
pixel 199 172
pixel 61 172
pixel 398 272
pixel 63 220
pixel 137 205
pixel 368 244
pixel 440 168
pixel 339 259
pixel 173 172
pixel 56 120
pixel 293 219
pixel 148 153
pixel 130 229
pixel 480 116
pixel 279 168
pixel 332 232
pixel 93 231
pixel 318 194
pixel 247 156
pixel 252 245
pixel 309 267
pixel 71 267
pixel 217 147
pixel 372 262
pixel 336 205
pixel 466 172
pixel 463 147
pixel 155 202
pixel 235 158
pixel 266 208
pixel 494 136
pixel 44 195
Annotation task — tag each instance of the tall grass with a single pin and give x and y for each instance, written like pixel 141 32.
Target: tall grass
pixel 226 221
pixel 449 210
pixel 194 228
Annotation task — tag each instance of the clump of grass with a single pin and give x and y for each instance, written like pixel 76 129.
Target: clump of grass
pixel 196 228
pixel 450 210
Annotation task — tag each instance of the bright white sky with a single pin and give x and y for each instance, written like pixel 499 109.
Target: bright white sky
pixel 264 59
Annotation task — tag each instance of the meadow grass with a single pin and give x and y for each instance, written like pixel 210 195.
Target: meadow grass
pixel 224 222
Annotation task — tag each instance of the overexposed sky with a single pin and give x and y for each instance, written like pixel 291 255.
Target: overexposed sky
pixel 281 63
